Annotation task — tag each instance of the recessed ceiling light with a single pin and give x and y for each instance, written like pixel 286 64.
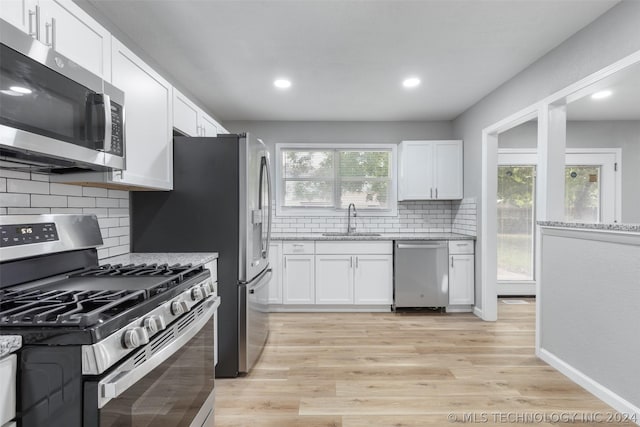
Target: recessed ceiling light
pixel 282 83
pixel 601 95
pixel 20 89
pixel 411 82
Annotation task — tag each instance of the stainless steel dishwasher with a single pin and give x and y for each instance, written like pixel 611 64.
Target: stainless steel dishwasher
pixel 421 274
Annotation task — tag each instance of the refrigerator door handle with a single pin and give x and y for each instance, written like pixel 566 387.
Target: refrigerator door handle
pixel 264 163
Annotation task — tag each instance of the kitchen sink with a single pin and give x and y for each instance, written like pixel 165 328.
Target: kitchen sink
pixel 353 234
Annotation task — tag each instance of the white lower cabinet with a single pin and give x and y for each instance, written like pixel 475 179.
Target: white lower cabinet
pixel 373 279
pixel 461 273
pixel 330 273
pixel 334 279
pixel 275 261
pixel 298 279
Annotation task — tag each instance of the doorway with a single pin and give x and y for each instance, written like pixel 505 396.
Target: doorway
pixel 591 195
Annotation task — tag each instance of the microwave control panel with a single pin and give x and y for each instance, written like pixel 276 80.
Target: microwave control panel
pixel 26 234
pixel 117 130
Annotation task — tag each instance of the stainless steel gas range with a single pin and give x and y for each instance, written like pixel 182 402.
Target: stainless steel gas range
pixel 113 345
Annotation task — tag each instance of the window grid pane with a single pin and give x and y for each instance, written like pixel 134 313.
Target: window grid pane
pixel 335 178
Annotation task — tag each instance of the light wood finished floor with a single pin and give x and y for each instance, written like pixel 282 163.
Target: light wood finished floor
pixel 387 369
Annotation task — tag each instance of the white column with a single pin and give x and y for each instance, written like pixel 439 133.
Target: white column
pixel 489 229
pixel 552 144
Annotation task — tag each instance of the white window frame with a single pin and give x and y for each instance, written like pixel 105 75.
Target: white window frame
pixel 328 212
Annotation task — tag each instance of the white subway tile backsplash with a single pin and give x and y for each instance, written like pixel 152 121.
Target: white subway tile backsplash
pixel 118 194
pixel 28 194
pixel 103 202
pixel 65 190
pixel 24 186
pixel 8 173
pixel 42 201
pixel 39 177
pixel 94 192
pixel 28 211
pixel 82 202
pixel 14 200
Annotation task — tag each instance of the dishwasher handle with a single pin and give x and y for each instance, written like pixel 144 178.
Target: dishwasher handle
pixel 422 245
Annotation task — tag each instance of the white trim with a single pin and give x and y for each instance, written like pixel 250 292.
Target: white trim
pixel 331 212
pixel 489 169
pixel 477 312
pixel 592 386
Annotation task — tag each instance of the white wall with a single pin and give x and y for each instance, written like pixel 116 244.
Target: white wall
pixel 596 134
pixel 611 37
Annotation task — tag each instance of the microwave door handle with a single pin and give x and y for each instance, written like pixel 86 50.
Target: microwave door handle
pixel 106 102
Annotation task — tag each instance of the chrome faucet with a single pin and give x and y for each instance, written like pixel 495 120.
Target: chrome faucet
pixel 355 214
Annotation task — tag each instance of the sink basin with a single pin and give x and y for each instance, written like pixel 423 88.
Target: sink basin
pixel 354 234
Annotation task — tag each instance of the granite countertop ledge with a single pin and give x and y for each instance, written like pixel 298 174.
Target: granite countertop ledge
pixel 382 236
pixel 9 344
pixel 634 228
pixel 170 258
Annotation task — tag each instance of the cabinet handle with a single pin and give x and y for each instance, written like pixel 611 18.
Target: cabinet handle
pixel 451 262
pixel 431 193
pixel 436 192
pixel 33 13
pixel 356 262
pixel 350 262
pixel 37 13
pixel 50 27
pixel 285 262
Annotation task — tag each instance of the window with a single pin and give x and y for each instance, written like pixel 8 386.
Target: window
pixel 325 179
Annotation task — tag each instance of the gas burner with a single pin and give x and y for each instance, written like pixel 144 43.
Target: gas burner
pixel 135 270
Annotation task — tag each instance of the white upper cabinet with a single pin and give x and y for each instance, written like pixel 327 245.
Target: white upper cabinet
pixel 185 114
pixel 430 170
pixel 189 119
pixel 208 126
pixel 64 26
pixel 149 119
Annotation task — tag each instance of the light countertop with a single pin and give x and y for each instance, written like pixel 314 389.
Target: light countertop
pixel 9 344
pixel 381 237
pixel 635 228
pixel 171 258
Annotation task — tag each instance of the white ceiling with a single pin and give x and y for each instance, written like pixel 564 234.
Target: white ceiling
pixel 623 104
pixel 346 58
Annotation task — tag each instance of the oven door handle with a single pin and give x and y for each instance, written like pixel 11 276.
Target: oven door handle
pixel 118 382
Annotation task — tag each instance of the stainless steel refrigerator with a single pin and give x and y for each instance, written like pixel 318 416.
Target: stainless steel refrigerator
pixel 221 202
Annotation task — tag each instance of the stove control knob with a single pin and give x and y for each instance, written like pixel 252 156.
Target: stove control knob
pixel 154 324
pixel 179 307
pixel 196 293
pixel 135 337
pixel 205 290
pixel 210 286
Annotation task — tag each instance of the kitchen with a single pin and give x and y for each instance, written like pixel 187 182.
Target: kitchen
pixel 159 107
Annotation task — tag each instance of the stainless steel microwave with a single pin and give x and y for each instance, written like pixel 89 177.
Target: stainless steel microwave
pixel 55 116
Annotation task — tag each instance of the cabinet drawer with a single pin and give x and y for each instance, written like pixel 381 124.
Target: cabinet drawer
pixel 460 247
pixel 355 248
pixel 292 248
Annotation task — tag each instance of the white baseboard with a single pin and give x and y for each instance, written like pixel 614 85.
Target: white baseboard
pixel 477 311
pixel 459 309
pixel 601 392
pixel 314 308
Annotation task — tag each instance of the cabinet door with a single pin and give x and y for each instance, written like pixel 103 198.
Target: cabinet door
pixel 76 35
pixel 275 261
pixel 185 114
pixel 415 171
pixel 461 279
pixel 148 100
pixel 298 279
pixel 208 125
pixel 334 279
pixel 16 12
pixel 374 279
pixel 448 170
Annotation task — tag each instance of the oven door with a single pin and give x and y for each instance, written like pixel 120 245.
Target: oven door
pixel 170 388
